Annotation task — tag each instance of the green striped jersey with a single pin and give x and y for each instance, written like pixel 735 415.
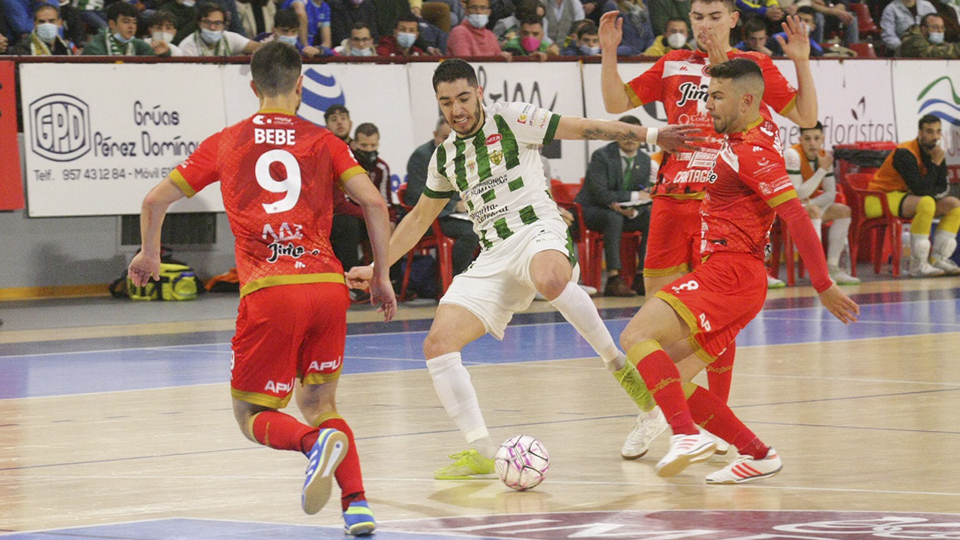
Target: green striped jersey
pixel 497 171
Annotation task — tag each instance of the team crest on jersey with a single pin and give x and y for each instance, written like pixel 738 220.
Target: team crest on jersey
pixel 472 165
pixel 496 157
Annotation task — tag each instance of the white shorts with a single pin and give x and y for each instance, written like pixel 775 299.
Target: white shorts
pixel 498 283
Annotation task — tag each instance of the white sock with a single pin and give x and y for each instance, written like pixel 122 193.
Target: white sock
pixel 838 240
pixel 452 383
pixel 944 244
pixel 920 247
pixel 578 309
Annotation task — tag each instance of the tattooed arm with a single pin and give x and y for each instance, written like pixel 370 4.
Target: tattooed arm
pixel 671 138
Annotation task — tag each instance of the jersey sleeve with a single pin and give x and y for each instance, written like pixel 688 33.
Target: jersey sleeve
pixel 438 186
pixel 345 166
pixel 200 169
pixel 530 124
pixel 778 92
pixel 648 87
pixel 763 171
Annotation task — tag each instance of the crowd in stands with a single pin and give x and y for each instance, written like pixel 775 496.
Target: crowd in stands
pixel 463 28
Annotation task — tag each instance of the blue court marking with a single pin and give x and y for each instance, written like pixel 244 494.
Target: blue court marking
pixel 183 364
pixel 196 529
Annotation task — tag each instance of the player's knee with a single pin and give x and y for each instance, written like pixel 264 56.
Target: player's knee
pixel 814 211
pixel 842 210
pixel 951 203
pixel 926 206
pixel 630 337
pixel 437 344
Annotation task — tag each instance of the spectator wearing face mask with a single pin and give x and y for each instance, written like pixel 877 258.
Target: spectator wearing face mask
pixel 676 36
pixel 118 38
pixel 471 37
pixel 926 40
pixel 212 39
pixel 45 40
pixel 163 29
pixel 530 41
pixel 587 42
pixel 345 14
pixel 401 43
pixel 315 20
pixel 360 42
pixel 286 29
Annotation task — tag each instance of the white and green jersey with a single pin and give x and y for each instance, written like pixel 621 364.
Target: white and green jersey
pixel 497 171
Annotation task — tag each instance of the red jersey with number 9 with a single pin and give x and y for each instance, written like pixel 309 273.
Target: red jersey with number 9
pixel 277 174
pixel 679 81
pixel 748 181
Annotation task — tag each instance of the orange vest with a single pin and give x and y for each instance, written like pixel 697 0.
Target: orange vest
pixel 806 170
pixel 887 179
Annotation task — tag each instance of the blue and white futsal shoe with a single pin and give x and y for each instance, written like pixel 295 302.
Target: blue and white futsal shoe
pixel 325 456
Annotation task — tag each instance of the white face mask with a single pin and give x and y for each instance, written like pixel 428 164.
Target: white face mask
pixel 211 36
pixel 361 52
pixel 165 37
pixel 189 3
pixel 936 37
pixel 48 32
pixel 677 40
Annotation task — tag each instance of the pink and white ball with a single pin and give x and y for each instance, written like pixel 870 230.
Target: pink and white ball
pixel 522 462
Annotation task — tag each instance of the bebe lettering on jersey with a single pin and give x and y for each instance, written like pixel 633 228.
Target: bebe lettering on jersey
pixel 278 137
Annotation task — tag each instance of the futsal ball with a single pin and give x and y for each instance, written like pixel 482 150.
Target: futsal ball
pixel 522 462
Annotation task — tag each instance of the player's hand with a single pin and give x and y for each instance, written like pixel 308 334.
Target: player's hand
pixel 160 47
pixel 381 293
pixel 937 154
pixel 840 304
pixel 841 12
pixel 826 161
pixel 797 45
pixel 359 277
pixel 676 137
pixel 143 267
pixel 611 31
pixel 713 45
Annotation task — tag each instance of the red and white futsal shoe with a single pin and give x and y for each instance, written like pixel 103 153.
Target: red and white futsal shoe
pixel 748 469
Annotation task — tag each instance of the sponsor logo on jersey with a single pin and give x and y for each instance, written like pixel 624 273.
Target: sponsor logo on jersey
pixel 60 127
pixel 472 165
pixel 494 139
pixel 496 156
pixel 326 365
pixel 279 387
pixel 690 91
pixel 522 118
pixel 291 250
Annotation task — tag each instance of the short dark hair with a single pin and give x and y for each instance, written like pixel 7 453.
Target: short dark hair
pixel 359 25
pixel 409 17
pixel 275 68
pixel 160 17
pixel 926 18
pixel 927 119
pixel 40 7
pixel 206 8
pixel 367 129
pixel 818 127
pixel 121 9
pixel 587 28
pixel 335 109
pixel 739 70
pixel 677 19
pixel 286 19
pixel 629 119
pixel 752 25
pixel 731 4
pixel 454 69
pixel 808 10
pixel 531 19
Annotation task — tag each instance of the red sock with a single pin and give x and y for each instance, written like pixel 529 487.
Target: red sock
pixel 720 373
pixel 663 380
pixel 714 416
pixel 348 473
pixel 283 432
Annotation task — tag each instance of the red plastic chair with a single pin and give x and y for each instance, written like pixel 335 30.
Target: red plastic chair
pixel 438 242
pixel 887 227
pixel 590 243
pixel 866 25
pixel 864 49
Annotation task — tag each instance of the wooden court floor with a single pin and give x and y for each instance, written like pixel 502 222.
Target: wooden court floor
pixel 867 424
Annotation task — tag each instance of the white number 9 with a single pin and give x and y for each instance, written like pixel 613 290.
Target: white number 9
pixel 290 185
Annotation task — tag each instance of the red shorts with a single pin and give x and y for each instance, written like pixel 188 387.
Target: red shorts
pixel 718 299
pixel 286 332
pixel 673 242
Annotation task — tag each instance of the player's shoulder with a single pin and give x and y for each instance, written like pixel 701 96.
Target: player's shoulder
pixel 683 55
pixel 760 140
pixel 761 59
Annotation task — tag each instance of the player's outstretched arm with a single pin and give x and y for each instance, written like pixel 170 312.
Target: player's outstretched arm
pixel 838 303
pixel 797 48
pixel 146 264
pixel 377 217
pixel 615 98
pixel 671 138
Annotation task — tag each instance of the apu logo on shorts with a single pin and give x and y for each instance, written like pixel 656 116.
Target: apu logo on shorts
pixel 493 138
pixel 60 126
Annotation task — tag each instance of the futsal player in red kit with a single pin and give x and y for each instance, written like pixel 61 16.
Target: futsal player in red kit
pixel 697 316
pixel 277 174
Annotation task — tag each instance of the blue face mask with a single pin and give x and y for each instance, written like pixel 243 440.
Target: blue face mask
pixel 405 40
pixel 478 20
pixel 121 39
pixel 47 32
pixel 935 37
pixel 289 40
pixel 210 36
pixel 589 51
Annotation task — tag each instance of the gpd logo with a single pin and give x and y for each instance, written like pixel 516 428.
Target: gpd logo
pixel 60 127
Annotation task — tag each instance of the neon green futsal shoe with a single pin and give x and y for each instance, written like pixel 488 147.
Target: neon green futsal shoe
pixel 467 465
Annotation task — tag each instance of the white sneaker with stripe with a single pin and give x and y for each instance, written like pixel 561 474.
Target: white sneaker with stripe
pixel 748 469
pixel 684 450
